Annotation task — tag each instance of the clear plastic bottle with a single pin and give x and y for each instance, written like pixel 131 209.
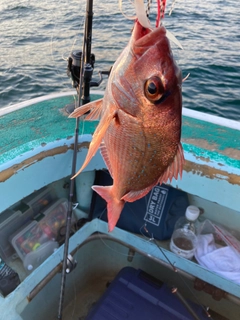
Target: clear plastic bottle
pixel 184 240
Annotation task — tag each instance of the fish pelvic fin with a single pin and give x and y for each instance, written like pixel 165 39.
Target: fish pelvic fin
pixel 114 206
pixel 95 108
pixel 97 139
pixel 175 168
pixel 135 195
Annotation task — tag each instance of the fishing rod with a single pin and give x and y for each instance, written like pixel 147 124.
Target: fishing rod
pixel 80 65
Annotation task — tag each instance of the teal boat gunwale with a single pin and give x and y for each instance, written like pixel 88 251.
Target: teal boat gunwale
pixel 42 120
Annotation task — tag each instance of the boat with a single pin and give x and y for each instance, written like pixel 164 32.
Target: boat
pixel 38 147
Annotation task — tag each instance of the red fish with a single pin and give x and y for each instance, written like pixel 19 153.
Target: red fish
pixel 140 120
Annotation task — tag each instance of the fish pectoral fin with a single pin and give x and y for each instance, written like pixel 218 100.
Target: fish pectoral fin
pixel 97 138
pixel 135 195
pixel 96 112
pixel 114 206
pixel 175 168
pixel 95 107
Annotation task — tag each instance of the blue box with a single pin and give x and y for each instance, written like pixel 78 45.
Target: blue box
pixel 134 295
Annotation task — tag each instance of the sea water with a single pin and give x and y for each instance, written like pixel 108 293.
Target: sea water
pixel 38 36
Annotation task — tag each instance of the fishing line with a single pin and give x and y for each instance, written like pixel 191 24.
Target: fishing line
pixel 71 191
pixel 134 3
pixel 102 240
pixel 125 15
pixel 65 57
pixel 136 217
pixel 139 8
pixel 148 7
pixel 75 299
pixel 57 38
pixel 73 44
pixel 150 238
pixel 179 275
pixel 172 7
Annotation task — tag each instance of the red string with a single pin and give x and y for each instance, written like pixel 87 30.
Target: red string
pixel 158 13
pixel 161 5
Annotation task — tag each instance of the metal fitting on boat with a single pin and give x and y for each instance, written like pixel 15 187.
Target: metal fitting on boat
pixel 71 264
pixel 131 254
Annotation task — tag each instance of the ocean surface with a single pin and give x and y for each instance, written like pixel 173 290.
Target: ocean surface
pixel 38 36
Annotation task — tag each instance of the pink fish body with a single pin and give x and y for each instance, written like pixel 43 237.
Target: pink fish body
pixel 140 120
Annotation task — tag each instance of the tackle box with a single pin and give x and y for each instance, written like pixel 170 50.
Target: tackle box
pixel 35 241
pixel 134 294
pixel 20 215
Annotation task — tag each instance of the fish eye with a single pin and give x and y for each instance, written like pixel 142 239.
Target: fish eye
pixel 153 89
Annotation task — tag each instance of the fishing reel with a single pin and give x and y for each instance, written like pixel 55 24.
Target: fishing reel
pixel 74 66
pixel 73 70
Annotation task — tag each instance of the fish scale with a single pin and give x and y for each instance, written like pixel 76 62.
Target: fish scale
pixel 121 150
pixel 140 120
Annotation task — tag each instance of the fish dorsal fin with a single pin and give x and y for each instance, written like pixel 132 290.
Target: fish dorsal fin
pixel 95 107
pixel 174 168
pixel 105 156
pixel 97 138
pixel 135 195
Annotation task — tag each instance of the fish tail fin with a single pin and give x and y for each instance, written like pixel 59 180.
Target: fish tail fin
pixel 114 206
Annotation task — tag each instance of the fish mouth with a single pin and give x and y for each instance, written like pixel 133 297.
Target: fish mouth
pixel 143 37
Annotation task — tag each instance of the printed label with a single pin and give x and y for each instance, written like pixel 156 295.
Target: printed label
pixel 156 204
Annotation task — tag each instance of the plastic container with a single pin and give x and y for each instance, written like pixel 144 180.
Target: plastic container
pixel 38 201
pixel 33 246
pixel 55 218
pixel 34 258
pixel 17 217
pixel 10 221
pixel 35 233
pixel 36 241
pixel 28 239
pixel 184 240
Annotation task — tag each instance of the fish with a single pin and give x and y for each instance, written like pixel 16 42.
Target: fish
pixel 139 131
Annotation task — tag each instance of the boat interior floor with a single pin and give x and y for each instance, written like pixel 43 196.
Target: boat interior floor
pixel 87 283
